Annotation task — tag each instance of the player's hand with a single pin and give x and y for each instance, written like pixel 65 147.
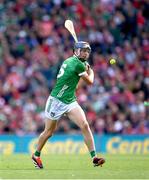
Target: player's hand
pixel 87 66
pixel 88 69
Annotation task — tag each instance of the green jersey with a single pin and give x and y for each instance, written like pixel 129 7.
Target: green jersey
pixel 67 80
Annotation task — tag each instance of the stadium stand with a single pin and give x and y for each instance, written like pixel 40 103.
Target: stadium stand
pixel 34 42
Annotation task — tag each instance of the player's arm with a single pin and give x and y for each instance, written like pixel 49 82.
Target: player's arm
pixel 86 73
pixel 88 76
pixel 80 83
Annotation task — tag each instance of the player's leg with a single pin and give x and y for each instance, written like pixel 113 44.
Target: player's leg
pixel 77 115
pixel 50 126
pixel 53 113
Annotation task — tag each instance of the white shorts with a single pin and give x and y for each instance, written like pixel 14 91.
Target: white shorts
pixel 55 108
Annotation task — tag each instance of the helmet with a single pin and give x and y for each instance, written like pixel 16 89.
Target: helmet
pixel 82 45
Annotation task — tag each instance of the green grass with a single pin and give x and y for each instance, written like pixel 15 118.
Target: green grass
pixel 75 167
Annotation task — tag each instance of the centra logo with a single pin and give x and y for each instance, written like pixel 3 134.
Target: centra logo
pixel 61 147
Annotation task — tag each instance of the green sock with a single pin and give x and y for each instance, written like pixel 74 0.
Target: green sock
pixel 93 153
pixel 37 153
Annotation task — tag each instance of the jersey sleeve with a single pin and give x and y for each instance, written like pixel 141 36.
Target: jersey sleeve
pixel 80 69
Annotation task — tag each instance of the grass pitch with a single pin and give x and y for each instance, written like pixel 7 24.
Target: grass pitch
pixel 75 167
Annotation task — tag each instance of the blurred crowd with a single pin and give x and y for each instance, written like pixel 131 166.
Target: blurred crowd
pixel 34 43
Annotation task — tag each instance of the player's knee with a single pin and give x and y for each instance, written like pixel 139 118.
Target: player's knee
pixel 85 126
pixel 48 134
